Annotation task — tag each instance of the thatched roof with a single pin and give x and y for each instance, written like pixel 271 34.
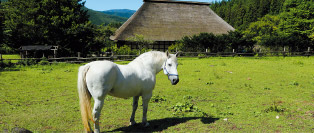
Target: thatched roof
pixel 169 20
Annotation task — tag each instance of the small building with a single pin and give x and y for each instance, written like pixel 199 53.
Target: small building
pixel 166 21
pixel 38 51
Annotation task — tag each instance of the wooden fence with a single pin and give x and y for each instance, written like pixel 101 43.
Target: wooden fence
pixel 182 54
pixel 233 54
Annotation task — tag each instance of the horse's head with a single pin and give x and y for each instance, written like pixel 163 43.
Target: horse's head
pixel 170 68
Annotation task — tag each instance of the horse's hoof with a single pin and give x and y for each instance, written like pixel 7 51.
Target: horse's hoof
pixel 132 123
pixel 146 124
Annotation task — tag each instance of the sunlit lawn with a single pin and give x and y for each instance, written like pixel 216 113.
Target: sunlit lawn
pixel 240 94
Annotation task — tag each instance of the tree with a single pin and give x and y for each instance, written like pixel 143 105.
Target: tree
pixel 240 42
pixel 1 25
pixel 102 36
pixel 48 22
pixel 140 42
pixel 240 13
pixel 202 41
pixel 297 21
pixel 298 18
pixel 266 26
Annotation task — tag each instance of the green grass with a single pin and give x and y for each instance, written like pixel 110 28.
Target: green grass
pixel 12 56
pixel 271 94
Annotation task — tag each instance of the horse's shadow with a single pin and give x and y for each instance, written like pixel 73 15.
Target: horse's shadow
pixel 162 124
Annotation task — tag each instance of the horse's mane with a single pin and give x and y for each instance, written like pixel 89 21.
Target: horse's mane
pixel 149 56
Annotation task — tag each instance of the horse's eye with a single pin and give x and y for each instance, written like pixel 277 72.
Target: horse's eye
pixel 169 65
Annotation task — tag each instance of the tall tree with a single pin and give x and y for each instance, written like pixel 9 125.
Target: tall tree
pixel 240 13
pixel 1 25
pixel 48 22
pixel 297 21
pixel 266 26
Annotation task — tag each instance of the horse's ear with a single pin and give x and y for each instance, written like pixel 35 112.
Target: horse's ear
pixel 168 54
pixel 178 54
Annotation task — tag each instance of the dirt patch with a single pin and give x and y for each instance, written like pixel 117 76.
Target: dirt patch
pixel 310 113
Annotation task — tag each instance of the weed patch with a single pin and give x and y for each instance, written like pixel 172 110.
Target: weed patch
pixel 267 88
pixel 187 97
pixel 275 108
pixel 295 83
pixel 187 109
pixel 209 83
pixel 158 99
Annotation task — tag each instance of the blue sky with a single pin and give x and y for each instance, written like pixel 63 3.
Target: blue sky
pixel 102 5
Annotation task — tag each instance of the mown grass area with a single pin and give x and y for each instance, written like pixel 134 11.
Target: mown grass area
pixel 271 94
pixel 11 56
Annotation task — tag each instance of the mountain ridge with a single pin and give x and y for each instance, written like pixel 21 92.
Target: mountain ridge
pixel 126 13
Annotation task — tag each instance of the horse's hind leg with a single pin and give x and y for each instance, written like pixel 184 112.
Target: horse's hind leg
pixel 135 105
pixel 98 104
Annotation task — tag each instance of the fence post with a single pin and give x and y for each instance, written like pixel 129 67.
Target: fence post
pixel 112 56
pixel 54 54
pixel 284 51
pixel 308 51
pixel 260 52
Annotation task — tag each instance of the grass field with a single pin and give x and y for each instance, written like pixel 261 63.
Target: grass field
pixel 12 56
pixel 271 94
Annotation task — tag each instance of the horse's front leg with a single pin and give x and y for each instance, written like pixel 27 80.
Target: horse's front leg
pixel 145 107
pixel 135 105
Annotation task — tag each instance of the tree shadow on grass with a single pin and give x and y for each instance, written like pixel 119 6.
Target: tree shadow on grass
pixel 162 124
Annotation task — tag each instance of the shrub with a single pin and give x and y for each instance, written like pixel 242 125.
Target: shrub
pixel 6 63
pixel 27 62
pixel 216 43
pixel 124 50
pixel 43 61
pixel 178 46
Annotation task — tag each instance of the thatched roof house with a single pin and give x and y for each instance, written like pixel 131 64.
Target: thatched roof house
pixel 166 21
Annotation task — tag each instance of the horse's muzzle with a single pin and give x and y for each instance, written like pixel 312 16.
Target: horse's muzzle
pixel 174 81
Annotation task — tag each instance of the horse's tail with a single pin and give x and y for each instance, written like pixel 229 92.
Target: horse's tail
pixel 85 97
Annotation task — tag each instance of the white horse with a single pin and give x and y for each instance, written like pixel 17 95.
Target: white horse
pixel 138 78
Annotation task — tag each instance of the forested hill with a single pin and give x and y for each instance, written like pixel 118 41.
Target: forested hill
pixel 271 23
pixel 240 13
pixel 98 17
pixel 105 17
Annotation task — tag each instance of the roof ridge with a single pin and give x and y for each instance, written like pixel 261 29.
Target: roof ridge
pixel 175 1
